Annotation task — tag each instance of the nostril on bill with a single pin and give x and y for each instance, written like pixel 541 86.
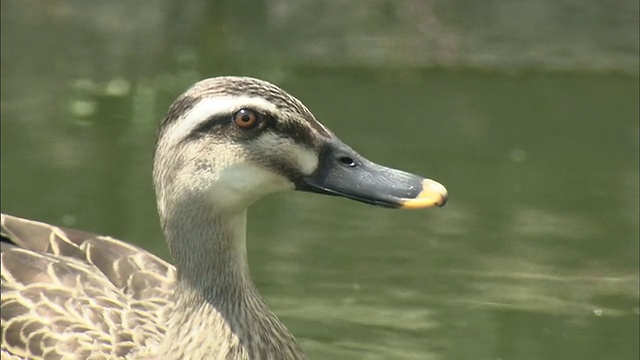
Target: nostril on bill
pixel 347 161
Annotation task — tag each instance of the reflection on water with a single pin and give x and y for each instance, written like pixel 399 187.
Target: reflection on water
pixel 535 256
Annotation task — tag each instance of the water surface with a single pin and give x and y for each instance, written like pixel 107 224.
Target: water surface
pixel 534 257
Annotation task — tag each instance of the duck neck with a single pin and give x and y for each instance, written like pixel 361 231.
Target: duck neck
pixel 210 251
pixel 218 311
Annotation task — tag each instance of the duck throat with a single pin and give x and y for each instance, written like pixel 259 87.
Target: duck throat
pixel 210 253
pixel 218 312
pixel 209 250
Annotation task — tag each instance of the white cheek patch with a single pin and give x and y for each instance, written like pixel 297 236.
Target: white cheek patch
pixel 209 107
pixel 240 185
pixel 237 182
pixel 307 160
pixel 285 149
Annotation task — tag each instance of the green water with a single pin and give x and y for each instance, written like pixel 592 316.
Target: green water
pixel 534 257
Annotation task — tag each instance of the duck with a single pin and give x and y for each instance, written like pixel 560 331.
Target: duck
pixel 224 143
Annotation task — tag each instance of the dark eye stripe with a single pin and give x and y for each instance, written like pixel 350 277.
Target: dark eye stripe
pixel 219 124
pixel 299 133
pixel 296 132
pixel 208 125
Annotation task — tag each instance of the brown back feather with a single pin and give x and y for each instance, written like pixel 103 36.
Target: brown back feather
pixel 72 293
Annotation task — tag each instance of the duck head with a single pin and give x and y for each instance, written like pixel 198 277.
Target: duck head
pixel 232 140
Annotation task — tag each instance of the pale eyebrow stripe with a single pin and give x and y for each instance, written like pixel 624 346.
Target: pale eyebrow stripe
pixel 209 107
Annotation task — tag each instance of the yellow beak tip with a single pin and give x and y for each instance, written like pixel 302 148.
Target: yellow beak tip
pixel 433 194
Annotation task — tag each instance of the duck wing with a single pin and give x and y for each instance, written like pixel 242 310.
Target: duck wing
pixel 73 294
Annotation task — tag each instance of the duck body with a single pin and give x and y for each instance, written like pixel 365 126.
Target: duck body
pixel 95 296
pixel 224 143
pixel 104 298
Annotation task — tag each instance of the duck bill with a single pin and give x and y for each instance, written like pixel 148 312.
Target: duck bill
pixel 343 172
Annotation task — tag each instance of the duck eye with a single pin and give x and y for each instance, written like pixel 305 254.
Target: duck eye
pixel 245 119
